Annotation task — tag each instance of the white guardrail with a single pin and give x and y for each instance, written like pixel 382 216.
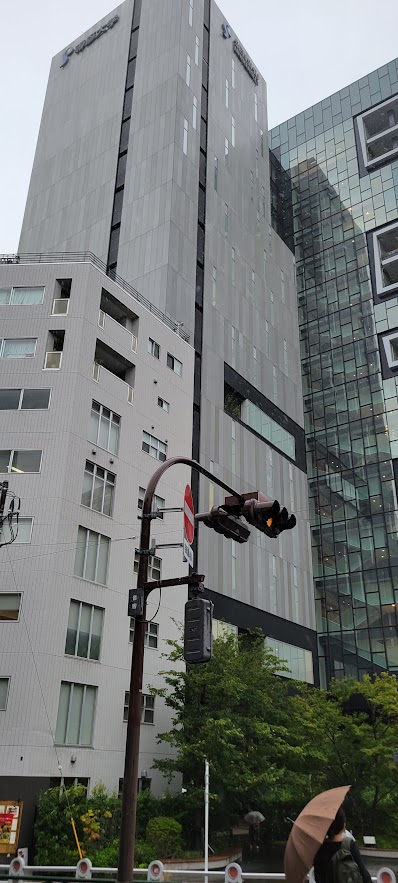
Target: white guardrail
pixel 156 871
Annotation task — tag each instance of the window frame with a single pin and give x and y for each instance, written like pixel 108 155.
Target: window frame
pixel 157 501
pixel 22 391
pixel 175 361
pixel 381 289
pixel 148 634
pixel 144 708
pixel 72 684
pixel 155 565
pixel 111 422
pixel 13 451
pixel 99 535
pixel 8 679
pixel 154 348
pixel 77 655
pixel 4 340
pixel 14 288
pixel 4 618
pixel 24 518
pixel 155 447
pixel 364 139
pixel 162 402
pixel 94 473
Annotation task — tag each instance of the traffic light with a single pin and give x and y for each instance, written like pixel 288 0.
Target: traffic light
pixel 228 525
pixel 198 637
pixel 268 517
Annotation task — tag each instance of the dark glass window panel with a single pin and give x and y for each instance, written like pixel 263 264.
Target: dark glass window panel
pixel 199 286
pixel 128 101
pixel 205 44
pixel 35 398
pixel 133 44
pixel 70 645
pixel 131 73
pixel 205 74
pixel 202 169
pixel 121 170
pixel 201 245
pixel 203 108
pixel 124 136
pixel 114 245
pixel 201 206
pixel 26 461
pixel 206 16
pixel 136 14
pixel 117 207
pixel 9 399
pixel 203 135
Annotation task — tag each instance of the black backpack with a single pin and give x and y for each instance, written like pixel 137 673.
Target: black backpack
pixel 343 867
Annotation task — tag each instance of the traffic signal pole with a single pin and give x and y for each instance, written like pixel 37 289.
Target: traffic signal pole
pixel 130 778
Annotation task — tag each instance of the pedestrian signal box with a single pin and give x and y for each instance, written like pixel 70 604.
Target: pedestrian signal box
pixel 198 637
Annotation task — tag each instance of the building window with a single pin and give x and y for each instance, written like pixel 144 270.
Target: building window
pixel 151 637
pixel 226 151
pixel 98 488
pixel 69 782
pixel 174 364
pixel 214 286
pixel 165 406
pixel 154 566
pixel 4 690
pixel 197 44
pixel 24 399
pixel 20 461
pixel 157 502
pixel 226 222
pixel 385 244
pixel 233 73
pixel 22 296
pixel 104 428
pixel 299 660
pixel 255 418
pixel 92 553
pixel 185 138
pixel 153 446
pixel 233 131
pixel 233 265
pixel 188 71
pixel 255 106
pixel 147 708
pixel 190 12
pixel 76 710
pixel 390 343
pixel 153 348
pixel 18 348
pixel 215 173
pixel 226 93
pixel 19 534
pixel 194 112
pixel 10 604
pixel 378 133
pixel 83 636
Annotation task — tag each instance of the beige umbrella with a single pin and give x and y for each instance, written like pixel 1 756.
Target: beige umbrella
pixel 309 831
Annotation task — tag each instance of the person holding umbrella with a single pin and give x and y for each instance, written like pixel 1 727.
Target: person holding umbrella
pixel 254 819
pixel 339 851
pixel 317 838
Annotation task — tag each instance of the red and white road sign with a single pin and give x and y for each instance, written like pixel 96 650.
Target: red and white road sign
pixel 189 515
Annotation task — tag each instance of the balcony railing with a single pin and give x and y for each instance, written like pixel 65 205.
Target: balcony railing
pixel 75 257
pixel 99 370
pixel 104 318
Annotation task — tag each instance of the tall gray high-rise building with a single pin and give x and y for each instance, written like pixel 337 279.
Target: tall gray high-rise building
pixel 153 157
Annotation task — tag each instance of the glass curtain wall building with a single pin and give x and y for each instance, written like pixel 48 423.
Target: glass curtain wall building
pixel 342 156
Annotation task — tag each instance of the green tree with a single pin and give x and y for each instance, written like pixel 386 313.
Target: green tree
pixel 235 712
pixel 351 737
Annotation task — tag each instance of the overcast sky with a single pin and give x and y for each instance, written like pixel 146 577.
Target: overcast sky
pixel 305 50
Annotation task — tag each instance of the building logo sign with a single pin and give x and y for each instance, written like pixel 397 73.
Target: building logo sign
pixel 245 60
pixel 90 39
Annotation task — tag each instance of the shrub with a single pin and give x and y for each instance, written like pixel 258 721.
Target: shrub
pixel 164 835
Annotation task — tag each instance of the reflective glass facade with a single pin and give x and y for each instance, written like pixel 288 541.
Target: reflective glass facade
pixel 349 364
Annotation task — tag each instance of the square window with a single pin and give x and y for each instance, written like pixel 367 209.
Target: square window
pixel 19 532
pixel 10 603
pixel 385 244
pixel 174 364
pixel 4 690
pixel 76 711
pixel 153 348
pixel 378 133
pixel 390 343
pixel 157 502
pixel 165 406
pixel 154 447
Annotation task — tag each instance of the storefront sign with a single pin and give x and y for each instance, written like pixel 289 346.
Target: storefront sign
pixel 90 39
pixel 10 821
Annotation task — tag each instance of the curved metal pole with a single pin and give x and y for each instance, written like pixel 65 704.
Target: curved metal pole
pixel 130 778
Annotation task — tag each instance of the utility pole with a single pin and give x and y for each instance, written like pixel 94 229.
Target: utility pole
pixel 267 517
